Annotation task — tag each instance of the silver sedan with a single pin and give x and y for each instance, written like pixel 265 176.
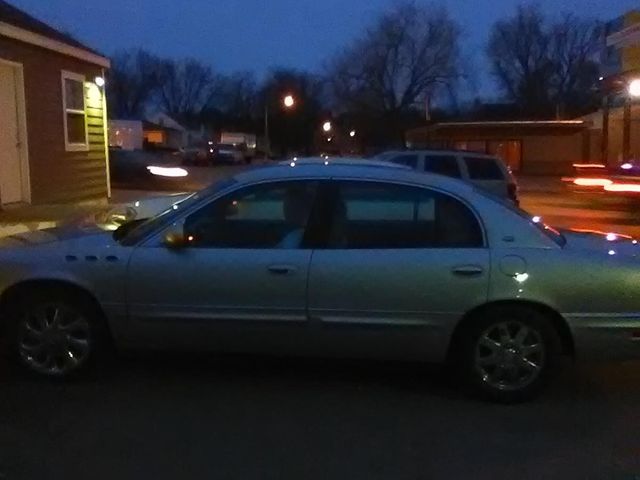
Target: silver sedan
pixel 332 258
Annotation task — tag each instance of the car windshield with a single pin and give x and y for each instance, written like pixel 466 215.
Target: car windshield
pixel 142 229
pixel 534 220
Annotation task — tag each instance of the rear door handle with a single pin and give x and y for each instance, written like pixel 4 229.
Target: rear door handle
pixel 281 269
pixel 467 270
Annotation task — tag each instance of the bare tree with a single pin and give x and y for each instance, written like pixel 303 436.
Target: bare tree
pixel 574 44
pixel 519 54
pixel 401 61
pixel 132 83
pixel 236 95
pixel 186 87
pixel 543 66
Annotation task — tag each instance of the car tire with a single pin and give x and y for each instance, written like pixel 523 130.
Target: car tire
pixel 56 333
pixel 508 353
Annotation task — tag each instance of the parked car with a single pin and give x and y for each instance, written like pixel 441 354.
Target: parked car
pixel 486 171
pixel 332 258
pixel 225 153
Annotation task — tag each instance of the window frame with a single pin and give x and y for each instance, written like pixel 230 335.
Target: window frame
pixel 74 147
pixel 452 156
pixel 497 163
pixel 417 156
pixel 328 195
pixel 308 241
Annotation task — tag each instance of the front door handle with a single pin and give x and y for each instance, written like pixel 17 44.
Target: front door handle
pixel 467 270
pixel 281 269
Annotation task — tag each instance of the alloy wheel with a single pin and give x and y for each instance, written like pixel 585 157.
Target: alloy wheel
pixel 509 355
pixel 54 339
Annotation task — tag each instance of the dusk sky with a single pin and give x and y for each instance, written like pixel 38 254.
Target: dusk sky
pixel 257 34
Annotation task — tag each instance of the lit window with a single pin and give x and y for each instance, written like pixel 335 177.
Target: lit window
pixel 75 121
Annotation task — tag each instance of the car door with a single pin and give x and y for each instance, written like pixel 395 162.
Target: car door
pixel 401 266
pixel 239 283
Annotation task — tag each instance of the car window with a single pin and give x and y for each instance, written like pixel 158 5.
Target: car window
pixel 145 227
pixel 442 165
pixel 482 168
pixel 377 215
pixel 265 216
pixel 410 160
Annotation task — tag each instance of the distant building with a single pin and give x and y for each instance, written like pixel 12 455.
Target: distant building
pixel 621 45
pixel 53 145
pixel 126 134
pixel 527 147
pixel 620 62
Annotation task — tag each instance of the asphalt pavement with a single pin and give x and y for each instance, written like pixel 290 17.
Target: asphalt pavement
pixel 262 418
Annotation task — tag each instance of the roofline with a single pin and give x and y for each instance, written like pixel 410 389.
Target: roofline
pixel 26 36
pixel 514 122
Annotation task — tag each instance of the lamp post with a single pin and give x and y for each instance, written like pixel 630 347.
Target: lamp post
pixel 633 92
pixel 288 101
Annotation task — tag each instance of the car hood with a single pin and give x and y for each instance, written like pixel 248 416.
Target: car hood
pixel 78 234
pixel 613 244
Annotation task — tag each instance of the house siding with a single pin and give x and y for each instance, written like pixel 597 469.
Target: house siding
pixel 58 176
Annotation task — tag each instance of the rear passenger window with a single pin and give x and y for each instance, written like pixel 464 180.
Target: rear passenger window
pixel 483 169
pixel 442 165
pixel 407 159
pixel 371 215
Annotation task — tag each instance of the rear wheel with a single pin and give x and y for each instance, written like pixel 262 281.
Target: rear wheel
pixel 56 333
pixel 508 353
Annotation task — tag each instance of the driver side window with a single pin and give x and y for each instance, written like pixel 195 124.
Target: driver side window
pixel 273 215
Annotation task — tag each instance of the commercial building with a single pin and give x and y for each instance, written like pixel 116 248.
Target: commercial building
pixel 528 147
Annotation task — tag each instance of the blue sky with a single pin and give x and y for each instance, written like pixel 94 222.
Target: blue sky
pixel 256 34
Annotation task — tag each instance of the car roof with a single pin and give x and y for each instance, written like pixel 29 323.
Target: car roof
pixel 343 168
pixel 345 161
pixel 442 151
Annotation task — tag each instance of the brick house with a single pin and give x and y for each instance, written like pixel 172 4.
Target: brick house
pixel 53 145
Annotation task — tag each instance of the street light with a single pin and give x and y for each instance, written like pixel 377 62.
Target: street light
pixel 289 101
pixel 352 133
pixel 634 88
pixel 326 126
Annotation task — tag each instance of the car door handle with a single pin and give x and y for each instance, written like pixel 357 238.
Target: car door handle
pixel 281 269
pixel 467 270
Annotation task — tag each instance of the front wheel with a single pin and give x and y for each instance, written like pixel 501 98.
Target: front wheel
pixel 508 353
pixel 55 333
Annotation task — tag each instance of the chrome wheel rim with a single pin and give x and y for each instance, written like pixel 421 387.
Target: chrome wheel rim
pixel 509 355
pixel 54 339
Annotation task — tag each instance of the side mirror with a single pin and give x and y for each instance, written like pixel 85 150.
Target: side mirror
pixel 174 239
